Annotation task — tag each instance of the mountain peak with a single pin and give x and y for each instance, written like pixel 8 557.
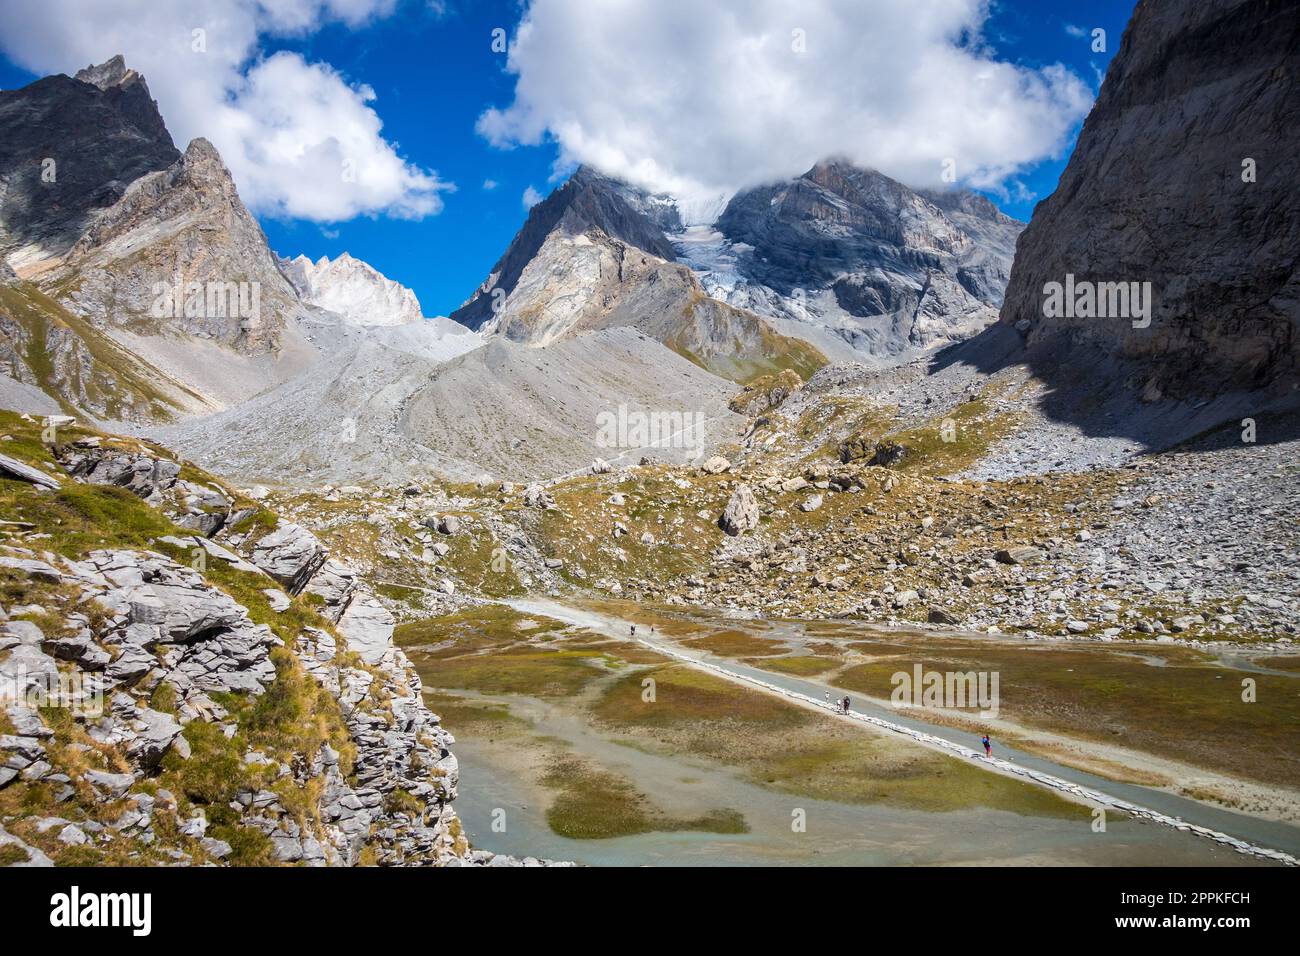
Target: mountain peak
pixel 588 201
pixel 354 289
pixel 113 72
pixel 106 119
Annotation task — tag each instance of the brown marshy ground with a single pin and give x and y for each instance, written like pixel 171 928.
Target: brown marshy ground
pixel 509 680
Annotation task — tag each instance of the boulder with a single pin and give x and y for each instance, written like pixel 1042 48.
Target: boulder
pixel 535 496
pixel 291 554
pixel 368 627
pixel 1020 554
pixel 13 468
pixel 336 583
pixel 741 513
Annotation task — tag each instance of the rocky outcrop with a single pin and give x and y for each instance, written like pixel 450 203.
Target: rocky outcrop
pixel 291 554
pixel 1183 177
pixel 741 513
pixel 158 652
pixel 13 468
pixel 766 393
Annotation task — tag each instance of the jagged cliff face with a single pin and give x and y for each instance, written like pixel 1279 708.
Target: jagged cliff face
pixel 588 201
pixel 353 289
pixel 68 149
pixel 1154 192
pixel 180 253
pixel 851 253
pixel 137 286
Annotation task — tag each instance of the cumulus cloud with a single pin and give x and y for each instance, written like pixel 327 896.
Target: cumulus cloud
pixel 701 98
pixel 531 197
pixel 300 139
pixel 490 184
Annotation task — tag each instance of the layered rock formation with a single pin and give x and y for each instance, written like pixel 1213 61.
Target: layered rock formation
pixel 851 253
pixel 594 255
pixel 1184 176
pixel 198 734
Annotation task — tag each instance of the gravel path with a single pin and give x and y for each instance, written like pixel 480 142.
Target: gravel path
pixel 1088 795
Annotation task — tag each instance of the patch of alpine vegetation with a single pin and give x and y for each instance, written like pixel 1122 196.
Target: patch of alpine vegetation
pixel 187 678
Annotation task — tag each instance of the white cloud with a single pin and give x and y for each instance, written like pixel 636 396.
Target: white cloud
pixel 1075 31
pixel 300 140
pixel 531 197
pixel 698 98
pixel 490 184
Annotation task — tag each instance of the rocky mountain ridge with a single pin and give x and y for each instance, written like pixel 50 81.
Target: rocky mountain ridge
pixel 69 147
pixel 249 730
pixel 855 255
pixel 353 289
pixel 843 259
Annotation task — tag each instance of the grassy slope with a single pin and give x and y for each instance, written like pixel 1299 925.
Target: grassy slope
pixel 117 383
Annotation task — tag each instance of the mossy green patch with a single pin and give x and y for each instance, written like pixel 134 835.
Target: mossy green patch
pixel 732 643
pixel 800 666
pixel 596 804
pixel 1187 709
pixel 795 750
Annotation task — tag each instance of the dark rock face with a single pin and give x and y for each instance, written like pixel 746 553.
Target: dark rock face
pixel 885 266
pixel 1155 192
pixel 588 200
pixel 102 130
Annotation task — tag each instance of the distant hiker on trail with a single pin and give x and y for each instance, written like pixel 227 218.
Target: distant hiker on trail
pixel 988 746
pixel 634 630
pixel 845 704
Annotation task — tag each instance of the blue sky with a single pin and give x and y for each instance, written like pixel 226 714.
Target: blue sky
pixel 433 74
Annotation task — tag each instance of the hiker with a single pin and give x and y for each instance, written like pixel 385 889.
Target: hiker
pixel 988 746
pixel 634 630
pixel 845 704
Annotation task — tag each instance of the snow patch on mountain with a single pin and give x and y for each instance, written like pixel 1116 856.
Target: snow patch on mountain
pixel 354 289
